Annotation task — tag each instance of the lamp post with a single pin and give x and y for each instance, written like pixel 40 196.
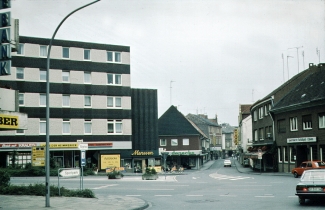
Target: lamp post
pixel 165 155
pixel 47 153
pixel 297 54
pixel 288 56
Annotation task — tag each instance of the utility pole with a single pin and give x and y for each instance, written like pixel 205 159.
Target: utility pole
pixel 297 54
pixel 283 67
pixel 303 58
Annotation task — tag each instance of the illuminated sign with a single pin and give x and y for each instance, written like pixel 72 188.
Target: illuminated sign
pixel 8 121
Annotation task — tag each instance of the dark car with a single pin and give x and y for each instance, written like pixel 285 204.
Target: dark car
pixel 307 165
pixel 311 185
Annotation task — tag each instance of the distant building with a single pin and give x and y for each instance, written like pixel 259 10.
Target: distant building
pixel 228 146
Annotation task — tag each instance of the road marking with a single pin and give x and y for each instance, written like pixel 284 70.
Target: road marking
pixel 154 189
pixel 110 185
pixel 224 177
pixel 264 196
pixel 163 195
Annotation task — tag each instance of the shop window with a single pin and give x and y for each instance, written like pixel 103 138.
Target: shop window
pixel 306 122
pixel 293 124
pixel 174 142
pixel 163 142
pixel 281 126
pixel 285 154
pixel 279 155
pixel 292 154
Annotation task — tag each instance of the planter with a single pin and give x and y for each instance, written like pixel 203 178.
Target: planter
pixel 149 176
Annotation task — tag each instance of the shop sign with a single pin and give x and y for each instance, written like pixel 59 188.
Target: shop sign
pixel 61 145
pixel 8 121
pixel 183 153
pixel 107 144
pixel 139 153
pixel 301 140
pixel 25 145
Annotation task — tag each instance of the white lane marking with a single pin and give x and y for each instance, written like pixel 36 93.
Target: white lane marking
pixel 163 195
pixel 109 185
pixel 154 189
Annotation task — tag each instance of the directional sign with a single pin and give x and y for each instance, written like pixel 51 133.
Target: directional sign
pixel 83 158
pixel 38 156
pixel 83 146
pixel 70 173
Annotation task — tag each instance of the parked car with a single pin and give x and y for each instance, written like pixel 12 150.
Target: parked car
pixel 307 165
pixel 311 185
pixel 227 163
pixel 246 162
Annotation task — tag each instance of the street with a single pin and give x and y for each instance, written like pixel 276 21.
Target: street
pixel 216 187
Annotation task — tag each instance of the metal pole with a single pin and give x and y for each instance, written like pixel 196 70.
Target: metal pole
pixel 47 156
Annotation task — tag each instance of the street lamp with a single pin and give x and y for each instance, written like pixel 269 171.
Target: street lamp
pixel 297 54
pixel 288 56
pixel 47 153
pixel 165 155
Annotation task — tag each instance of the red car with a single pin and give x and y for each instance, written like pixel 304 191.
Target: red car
pixel 307 165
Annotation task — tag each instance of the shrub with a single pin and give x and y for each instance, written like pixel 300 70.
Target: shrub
pixel 113 174
pixel 150 171
pixel 4 179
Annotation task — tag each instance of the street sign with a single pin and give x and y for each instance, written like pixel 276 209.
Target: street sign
pixel 83 158
pixel 70 173
pixel 83 146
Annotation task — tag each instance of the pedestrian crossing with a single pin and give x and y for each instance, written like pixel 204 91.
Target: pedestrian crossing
pixel 227 177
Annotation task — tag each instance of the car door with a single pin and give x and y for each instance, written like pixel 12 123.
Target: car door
pixel 301 168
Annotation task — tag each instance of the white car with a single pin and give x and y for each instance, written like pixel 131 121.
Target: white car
pixel 227 163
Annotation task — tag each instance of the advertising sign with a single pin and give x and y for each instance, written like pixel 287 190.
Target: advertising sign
pixel 38 156
pixel 110 161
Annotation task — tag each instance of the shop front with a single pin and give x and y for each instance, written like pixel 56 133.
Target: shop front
pixel 136 161
pixel 188 159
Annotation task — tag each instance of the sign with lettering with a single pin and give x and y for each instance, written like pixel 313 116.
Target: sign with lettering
pixel 110 161
pixel 38 156
pixel 140 153
pixel 8 121
pixel 301 140
pixel 61 145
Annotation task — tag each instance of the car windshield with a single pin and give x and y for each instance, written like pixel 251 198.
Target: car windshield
pixel 313 176
pixel 320 163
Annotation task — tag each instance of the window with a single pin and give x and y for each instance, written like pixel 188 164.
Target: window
pixel 163 142
pixel 20 49
pixel 42 75
pixel 321 120
pixel 292 154
pixel 114 126
pixel 174 142
pixel 66 126
pixel 42 126
pixel 114 79
pixel 279 155
pixel 266 111
pixel 306 122
pixel 114 56
pixel 281 126
pixel 87 77
pixel 19 73
pixel 87 126
pixel 65 52
pixel 66 100
pixel 21 99
pixel 260 113
pixel 114 101
pixel 42 99
pixel 87 101
pixel 110 56
pixel 293 124
pixel 186 142
pixel 255 135
pixel 261 135
pixel 86 54
pixel 255 115
pixel 65 76
pixel 43 51
pixel 285 154
pixel 117 57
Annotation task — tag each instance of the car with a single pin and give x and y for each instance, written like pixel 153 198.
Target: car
pixel 227 163
pixel 307 165
pixel 311 185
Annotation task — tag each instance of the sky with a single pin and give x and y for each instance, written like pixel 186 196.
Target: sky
pixel 203 56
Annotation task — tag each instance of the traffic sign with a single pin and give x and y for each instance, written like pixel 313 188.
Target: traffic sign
pixel 83 146
pixel 70 172
pixel 83 158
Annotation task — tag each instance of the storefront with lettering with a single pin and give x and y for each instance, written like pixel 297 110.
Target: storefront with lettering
pixel 137 160
pixel 188 159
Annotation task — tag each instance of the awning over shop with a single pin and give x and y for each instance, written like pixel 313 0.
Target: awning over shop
pixel 253 155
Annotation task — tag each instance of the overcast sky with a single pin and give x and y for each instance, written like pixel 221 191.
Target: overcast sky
pixel 219 53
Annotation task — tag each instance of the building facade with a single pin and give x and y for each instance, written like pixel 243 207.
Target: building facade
pixel 89 100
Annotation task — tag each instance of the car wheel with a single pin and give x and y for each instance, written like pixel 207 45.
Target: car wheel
pixel 302 200
pixel 295 175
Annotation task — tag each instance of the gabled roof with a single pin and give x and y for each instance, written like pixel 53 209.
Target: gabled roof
pixel 202 123
pixel 309 90
pixel 226 128
pixel 174 123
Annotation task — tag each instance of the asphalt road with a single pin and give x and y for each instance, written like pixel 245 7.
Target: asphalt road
pixel 215 188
